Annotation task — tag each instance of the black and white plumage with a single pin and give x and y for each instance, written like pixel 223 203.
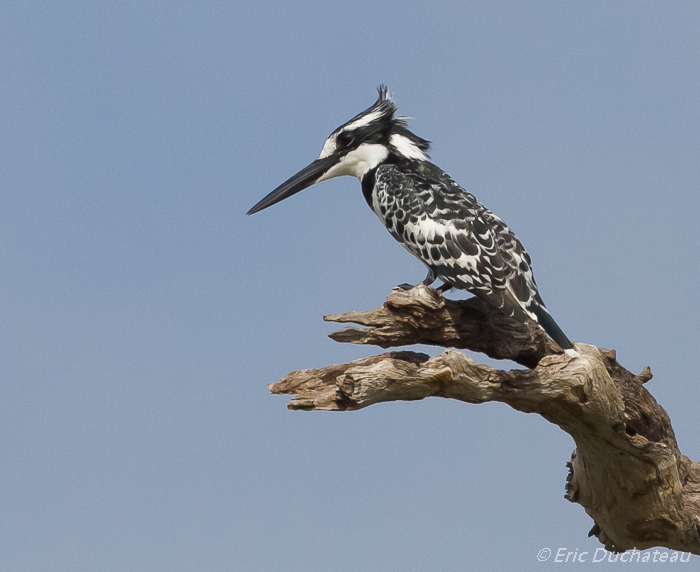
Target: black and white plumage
pixel 460 241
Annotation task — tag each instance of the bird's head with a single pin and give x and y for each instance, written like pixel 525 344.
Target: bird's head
pixel 373 137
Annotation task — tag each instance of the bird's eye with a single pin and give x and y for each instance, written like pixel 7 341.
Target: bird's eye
pixel 345 138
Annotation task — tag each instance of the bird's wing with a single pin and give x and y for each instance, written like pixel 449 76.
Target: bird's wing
pixel 465 244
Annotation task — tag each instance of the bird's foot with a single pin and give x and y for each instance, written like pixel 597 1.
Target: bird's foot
pixel 405 286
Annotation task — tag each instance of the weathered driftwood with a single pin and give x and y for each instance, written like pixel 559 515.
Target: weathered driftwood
pixel 626 471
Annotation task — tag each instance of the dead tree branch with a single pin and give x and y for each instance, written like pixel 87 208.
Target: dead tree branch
pixel 626 471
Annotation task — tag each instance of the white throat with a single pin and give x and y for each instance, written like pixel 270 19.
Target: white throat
pixel 357 162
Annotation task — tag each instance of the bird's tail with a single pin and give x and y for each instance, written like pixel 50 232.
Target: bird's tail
pixel 535 310
pixel 551 327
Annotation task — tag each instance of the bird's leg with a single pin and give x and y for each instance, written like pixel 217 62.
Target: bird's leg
pixel 444 288
pixel 429 279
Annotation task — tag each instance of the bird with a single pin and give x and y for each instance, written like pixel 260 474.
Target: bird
pixel 460 242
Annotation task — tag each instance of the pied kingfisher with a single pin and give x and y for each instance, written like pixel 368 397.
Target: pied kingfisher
pixel 445 227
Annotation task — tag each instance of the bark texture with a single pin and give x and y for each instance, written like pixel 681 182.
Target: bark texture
pixel 626 471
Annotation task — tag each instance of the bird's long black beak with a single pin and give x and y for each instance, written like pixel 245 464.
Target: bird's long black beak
pixel 303 179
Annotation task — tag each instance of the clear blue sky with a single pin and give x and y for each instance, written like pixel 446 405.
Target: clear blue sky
pixel 143 313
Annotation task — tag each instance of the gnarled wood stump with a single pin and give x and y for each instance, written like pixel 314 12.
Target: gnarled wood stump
pixel 626 471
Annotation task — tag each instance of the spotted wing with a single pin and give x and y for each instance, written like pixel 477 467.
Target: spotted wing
pixel 463 243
